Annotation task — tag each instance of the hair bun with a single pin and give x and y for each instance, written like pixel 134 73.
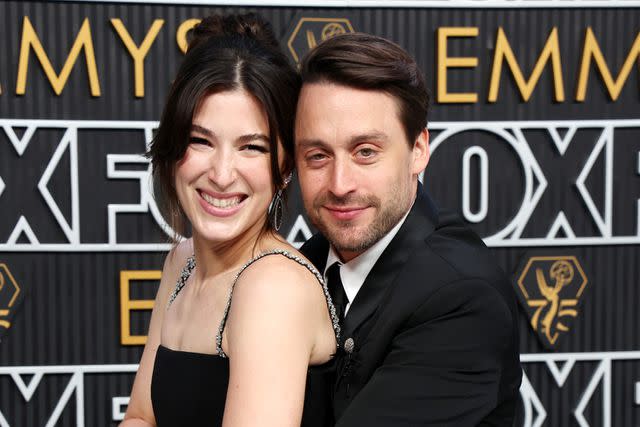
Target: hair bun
pixel 245 25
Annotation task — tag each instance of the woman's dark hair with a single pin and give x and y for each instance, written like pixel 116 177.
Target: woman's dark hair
pixel 368 62
pixel 225 53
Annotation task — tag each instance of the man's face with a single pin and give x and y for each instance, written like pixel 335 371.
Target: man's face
pixel 357 172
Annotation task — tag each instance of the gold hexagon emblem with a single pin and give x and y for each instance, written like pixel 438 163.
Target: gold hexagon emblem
pixel 309 31
pixel 10 298
pixel 550 289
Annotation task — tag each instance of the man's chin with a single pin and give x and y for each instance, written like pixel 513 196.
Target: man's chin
pixel 345 235
pixel 344 242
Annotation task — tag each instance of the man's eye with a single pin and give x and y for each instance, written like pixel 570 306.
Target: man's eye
pixel 366 152
pixel 315 157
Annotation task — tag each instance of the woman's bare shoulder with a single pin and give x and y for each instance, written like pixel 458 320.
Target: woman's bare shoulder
pixel 174 262
pixel 283 266
pixel 280 276
pixel 177 256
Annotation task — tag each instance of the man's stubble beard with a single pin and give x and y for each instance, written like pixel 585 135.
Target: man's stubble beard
pixel 342 236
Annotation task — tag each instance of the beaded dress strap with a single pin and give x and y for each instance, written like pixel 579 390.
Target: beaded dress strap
pixel 310 267
pixel 182 280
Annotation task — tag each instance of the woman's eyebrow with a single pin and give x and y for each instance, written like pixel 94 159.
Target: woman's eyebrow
pixel 202 130
pixel 254 136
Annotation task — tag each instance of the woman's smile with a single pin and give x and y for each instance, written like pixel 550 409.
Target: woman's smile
pixel 221 206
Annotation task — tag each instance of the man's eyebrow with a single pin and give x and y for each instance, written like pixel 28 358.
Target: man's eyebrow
pixel 253 137
pixel 354 140
pixel 369 136
pixel 309 143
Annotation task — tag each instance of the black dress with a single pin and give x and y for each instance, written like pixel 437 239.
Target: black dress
pixel 190 389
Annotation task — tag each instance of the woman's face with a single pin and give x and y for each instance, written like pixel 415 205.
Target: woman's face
pixel 223 182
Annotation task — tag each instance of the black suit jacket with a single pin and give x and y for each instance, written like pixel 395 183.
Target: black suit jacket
pixel 435 331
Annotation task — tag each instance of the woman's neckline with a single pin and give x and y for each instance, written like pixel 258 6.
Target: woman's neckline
pixel 195 353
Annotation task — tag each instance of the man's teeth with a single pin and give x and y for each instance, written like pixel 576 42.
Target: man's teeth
pixel 221 203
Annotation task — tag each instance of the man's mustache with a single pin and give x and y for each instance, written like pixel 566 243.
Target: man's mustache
pixel 346 201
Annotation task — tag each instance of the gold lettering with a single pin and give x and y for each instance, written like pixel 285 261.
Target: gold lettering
pixel 445 62
pixel 127 304
pixel 503 51
pixel 83 40
pixel 181 34
pixel 592 50
pixel 138 53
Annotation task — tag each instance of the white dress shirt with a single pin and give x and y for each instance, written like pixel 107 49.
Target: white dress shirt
pixel 354 272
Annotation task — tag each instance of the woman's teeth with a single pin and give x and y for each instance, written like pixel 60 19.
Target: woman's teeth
pixel 221 203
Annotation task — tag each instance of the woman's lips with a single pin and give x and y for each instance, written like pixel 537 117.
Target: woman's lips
pixel 221 205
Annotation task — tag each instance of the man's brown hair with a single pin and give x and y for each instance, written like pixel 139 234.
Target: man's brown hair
pixel 368 62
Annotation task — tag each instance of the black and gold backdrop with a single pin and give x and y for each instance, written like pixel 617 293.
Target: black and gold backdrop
pixel 535 133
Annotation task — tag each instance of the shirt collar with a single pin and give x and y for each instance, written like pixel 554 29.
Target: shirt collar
pixel 354 272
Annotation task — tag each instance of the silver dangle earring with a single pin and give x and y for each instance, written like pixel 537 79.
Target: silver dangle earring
pixel 276 207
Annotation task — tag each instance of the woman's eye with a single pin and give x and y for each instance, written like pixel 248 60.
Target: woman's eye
pixel 255 147
pixel 197 140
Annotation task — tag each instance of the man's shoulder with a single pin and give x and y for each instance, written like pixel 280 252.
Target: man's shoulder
pixel 455 254
pixel 454 271
pixel 455 244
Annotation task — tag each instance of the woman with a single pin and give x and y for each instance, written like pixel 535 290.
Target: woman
pixel 242 329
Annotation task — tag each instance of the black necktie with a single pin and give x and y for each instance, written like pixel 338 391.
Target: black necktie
pixel 336 290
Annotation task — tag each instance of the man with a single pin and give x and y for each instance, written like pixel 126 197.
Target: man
pixel 429 334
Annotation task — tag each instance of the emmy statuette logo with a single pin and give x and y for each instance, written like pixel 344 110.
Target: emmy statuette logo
pixel 309 31
pixel 550 289
pixel 10 298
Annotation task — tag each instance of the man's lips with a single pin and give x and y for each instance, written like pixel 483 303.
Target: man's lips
pixel 344 213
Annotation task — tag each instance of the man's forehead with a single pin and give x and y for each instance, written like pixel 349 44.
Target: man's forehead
pixel 316 96
pixel 337 87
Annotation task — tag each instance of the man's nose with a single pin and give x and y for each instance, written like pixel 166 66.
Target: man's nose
pixel 343 177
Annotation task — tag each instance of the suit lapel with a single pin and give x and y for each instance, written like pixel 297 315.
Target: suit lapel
pixel 419 223
pixel 316 249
